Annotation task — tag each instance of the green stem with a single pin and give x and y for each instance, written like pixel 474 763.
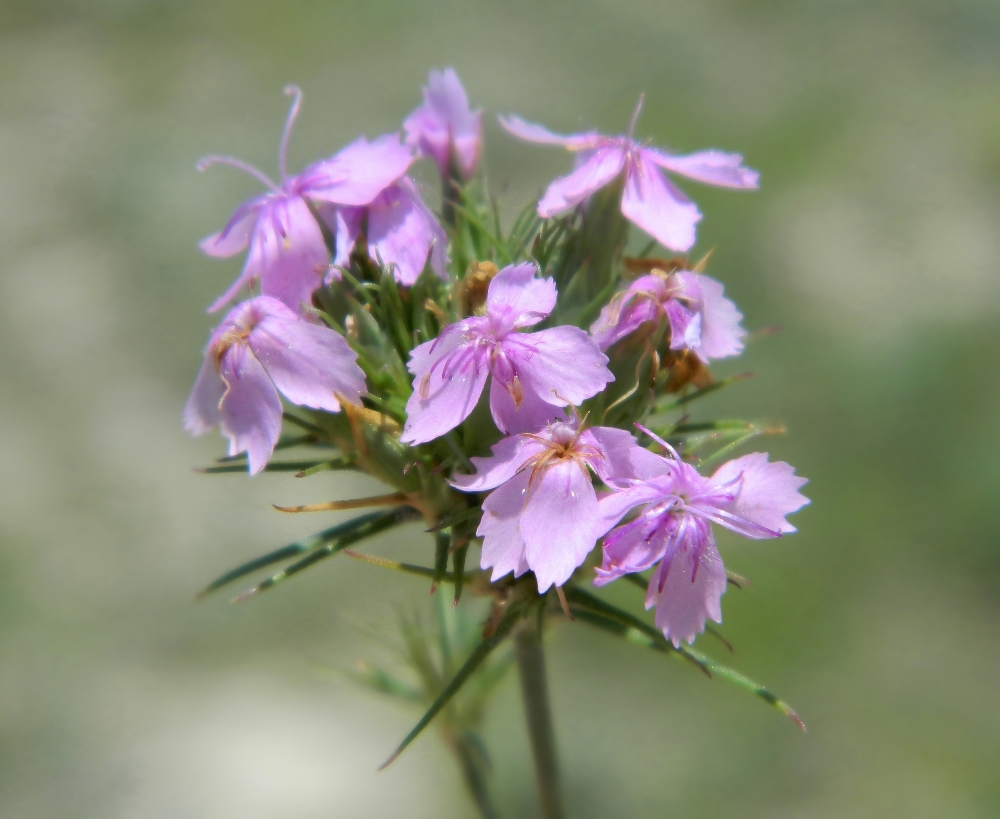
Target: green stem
pixel 534 692
pixel 475 776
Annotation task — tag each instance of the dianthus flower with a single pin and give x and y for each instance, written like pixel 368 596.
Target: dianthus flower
pixel 649 200
pixel 748 495
pixel 701 318
pixel 543 514
pixel 288 255
pixel 534 374
pixel 444 127
pixel 260 349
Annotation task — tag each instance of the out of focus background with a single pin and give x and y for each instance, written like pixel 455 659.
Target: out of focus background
pixel 874 243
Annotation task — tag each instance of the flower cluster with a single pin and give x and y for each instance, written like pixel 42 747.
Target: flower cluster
pixel 384 324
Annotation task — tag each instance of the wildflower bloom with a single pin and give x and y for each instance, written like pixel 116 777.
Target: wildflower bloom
pixel 649 200
pixel 748 495
pixel 701 318
pixel 543 514
pixel 534 374
pixel 288 255
pixel 444 127
pixel 262 348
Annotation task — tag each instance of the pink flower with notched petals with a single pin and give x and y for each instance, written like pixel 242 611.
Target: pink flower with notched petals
pixel 288 255
pixel 534 374
pixel 444 127
pixel 543 514
pixel 677 506
pixel 649 200
pixel 701 318
pixel 260 349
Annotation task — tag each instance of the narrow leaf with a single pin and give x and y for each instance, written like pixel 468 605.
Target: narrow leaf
pixel 273 466
pixel 442 540
pixel 479 654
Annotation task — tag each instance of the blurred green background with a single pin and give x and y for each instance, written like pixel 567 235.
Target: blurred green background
pixel 874 242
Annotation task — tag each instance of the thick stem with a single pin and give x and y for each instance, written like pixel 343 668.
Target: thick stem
pixel 534 691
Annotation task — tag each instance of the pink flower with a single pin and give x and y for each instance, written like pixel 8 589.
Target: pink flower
pixel 649 200
pixel 544 513
pixel 677 505
pixel 260 349
pixel 534 374
pixel 701 318
pixel 445 127
pixel 288 255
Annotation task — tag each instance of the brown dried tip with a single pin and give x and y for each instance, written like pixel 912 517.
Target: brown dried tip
pixel 472 289
pixel 684 367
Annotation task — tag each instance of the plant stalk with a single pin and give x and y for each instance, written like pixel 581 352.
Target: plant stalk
pixel 534 692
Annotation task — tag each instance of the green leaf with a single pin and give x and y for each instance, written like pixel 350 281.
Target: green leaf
pixel 588 608
pixel 479 654
pixel 442 540
pixel 300 467
pixel 284 443
pixel 694 396
pixel 291 550
pixel 383 682
pixel 458 564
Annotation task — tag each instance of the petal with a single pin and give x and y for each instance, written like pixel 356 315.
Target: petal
pixel 235 236
pixel 503 546
pixel 659 208
pixel 721 333
pixel 559 524
pixel 310 364
pixel 445 393
pixel 613 506
pixel 345 224
pixel 529 414
pixel 562 365
pixel 293 255
pixel 768 491
pixel 685 326
pixel 711 167
pixel 509 455
pixel 517 299
pixel 531 132
pixel 251 409
pixel 596 171
pixel 628 310
pixel 618 456
pixel 357 173
pixel 201 412
pixel 631 548
pixel 402 231
pixel 691 592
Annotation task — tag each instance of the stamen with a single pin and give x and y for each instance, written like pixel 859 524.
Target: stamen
pixel 292 91
pixel 635 116
pixel 660 441
pixel 207 161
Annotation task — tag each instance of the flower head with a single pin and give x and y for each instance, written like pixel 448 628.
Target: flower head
pixel 649 200
pixel 260 349
pixel 534 374
pixel 677 506
pixel 701 318
pixel 543 514
pixel 444 127
pixel 288 255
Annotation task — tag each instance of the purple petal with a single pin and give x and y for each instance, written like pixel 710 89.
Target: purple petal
pixel 509 455
pixel 201 412
pixel 528 414
pixel 293 255
pixel 559 524
pixel 517 299
pixel 561 365
pixel 691 592
pixel 721 333
pixel 402 231
pixel 235 236
pixel 613 506
pixel 711 167
pixel 685 326
pixel 629 310
pixel 531 132
pixel 251 409
pixel 768 492
pixel 450 374
pixel 631 548
pixel 503 546
pixel 596 171
pixel 445 123
pixel 659 208
pixel 310 364
pixel 357 173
